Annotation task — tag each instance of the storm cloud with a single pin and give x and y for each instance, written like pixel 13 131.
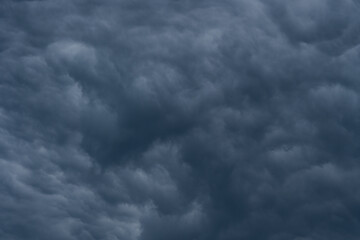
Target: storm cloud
pixel 169 119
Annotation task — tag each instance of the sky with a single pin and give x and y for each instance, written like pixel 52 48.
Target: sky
pixel 179 119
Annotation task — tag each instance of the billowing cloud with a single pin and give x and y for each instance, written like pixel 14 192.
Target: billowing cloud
pixel 139 120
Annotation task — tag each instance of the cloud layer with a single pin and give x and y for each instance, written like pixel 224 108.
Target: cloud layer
pixel 204 120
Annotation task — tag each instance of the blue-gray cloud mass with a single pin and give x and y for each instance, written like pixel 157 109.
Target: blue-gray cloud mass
pixel 169 119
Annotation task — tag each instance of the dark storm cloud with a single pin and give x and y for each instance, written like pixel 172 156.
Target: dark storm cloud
pixel 179 119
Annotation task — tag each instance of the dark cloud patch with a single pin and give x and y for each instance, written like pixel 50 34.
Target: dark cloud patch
pixel 179 120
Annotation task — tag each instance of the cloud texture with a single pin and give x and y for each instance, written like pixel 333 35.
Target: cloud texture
pixel 169 119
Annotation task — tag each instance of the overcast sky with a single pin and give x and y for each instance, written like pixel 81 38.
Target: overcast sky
pixel 179 120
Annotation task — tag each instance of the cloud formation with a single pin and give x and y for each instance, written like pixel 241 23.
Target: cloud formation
pixel 139 120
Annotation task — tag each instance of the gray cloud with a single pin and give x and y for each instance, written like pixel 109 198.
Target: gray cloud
pixel 179 120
